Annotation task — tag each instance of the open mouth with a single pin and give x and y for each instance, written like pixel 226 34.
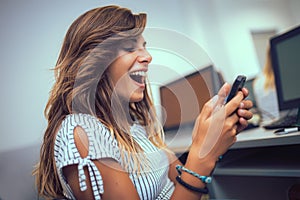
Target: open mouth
pixel 138 76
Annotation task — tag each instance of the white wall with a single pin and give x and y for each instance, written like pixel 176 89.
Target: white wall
pixel 237 26
pixel 32 31
pixel 227 26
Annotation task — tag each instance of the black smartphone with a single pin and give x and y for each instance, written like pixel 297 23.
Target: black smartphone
pixel 237 85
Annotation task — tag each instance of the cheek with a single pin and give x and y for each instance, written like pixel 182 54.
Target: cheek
pixel 121 85
pixel 115 74
pixel 119 69
pixel 116 78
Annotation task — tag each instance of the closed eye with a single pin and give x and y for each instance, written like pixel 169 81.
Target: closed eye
pixel 129 45
pixel 129 49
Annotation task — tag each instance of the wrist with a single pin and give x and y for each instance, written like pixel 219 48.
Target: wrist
pixel 203 165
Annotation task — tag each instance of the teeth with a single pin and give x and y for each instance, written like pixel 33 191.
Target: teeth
pixel 138 76
pixel 138 73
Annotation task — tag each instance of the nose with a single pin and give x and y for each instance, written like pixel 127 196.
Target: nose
pixel 144 56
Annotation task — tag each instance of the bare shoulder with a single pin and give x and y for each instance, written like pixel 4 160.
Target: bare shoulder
pixel 116 182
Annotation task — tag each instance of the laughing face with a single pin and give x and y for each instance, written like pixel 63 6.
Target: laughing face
pixel 128 72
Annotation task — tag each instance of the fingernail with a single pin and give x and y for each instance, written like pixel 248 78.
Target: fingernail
pixel 241 112
pixel 242 105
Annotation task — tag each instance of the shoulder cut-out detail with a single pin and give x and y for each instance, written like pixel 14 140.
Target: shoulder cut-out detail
pixel 101 144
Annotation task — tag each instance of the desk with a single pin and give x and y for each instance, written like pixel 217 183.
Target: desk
pixel 260 165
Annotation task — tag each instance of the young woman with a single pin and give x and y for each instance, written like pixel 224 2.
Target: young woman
pixel 103 140
pixel 265 92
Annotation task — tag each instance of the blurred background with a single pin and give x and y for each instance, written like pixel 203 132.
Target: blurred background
pixel 232 33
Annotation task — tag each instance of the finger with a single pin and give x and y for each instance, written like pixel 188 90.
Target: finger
pixel 246 114
pixel 234 130
pixel 208 107
pixel 232 121
pixel 246 104
pixel 242 125
pixel 217 101
pixel 234 103
pixel 245 92
pixel 243 121
pixel 222 94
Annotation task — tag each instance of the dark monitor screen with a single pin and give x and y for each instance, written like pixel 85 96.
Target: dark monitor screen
pixel 183 99
pixel 285 54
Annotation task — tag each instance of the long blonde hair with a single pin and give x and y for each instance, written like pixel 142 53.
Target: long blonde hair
pixel 83 86
pixel 268 72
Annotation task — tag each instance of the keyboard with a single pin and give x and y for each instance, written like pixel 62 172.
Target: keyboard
pixel 284 122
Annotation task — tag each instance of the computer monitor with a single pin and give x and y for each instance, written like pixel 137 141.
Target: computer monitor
pixel 285 55
pixel 183 99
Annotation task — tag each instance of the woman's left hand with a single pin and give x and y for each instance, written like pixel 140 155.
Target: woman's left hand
pixel 244 112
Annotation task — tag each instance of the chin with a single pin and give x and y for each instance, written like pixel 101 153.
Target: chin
pixel 136 98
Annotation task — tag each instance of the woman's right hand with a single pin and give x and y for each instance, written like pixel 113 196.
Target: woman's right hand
pixel 216 127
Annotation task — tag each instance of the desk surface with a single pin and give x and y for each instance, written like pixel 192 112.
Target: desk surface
pixel 257 137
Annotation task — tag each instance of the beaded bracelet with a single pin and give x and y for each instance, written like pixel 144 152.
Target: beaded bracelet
pixel 220 157
pixel 204 179
pixel 190 187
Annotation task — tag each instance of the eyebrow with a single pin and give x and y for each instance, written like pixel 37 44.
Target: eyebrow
pixel 135 41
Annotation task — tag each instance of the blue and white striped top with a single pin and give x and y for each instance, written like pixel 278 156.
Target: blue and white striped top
pixel 152 183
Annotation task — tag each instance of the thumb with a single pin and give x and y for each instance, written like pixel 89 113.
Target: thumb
pixel 222 94
pixel 215 103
